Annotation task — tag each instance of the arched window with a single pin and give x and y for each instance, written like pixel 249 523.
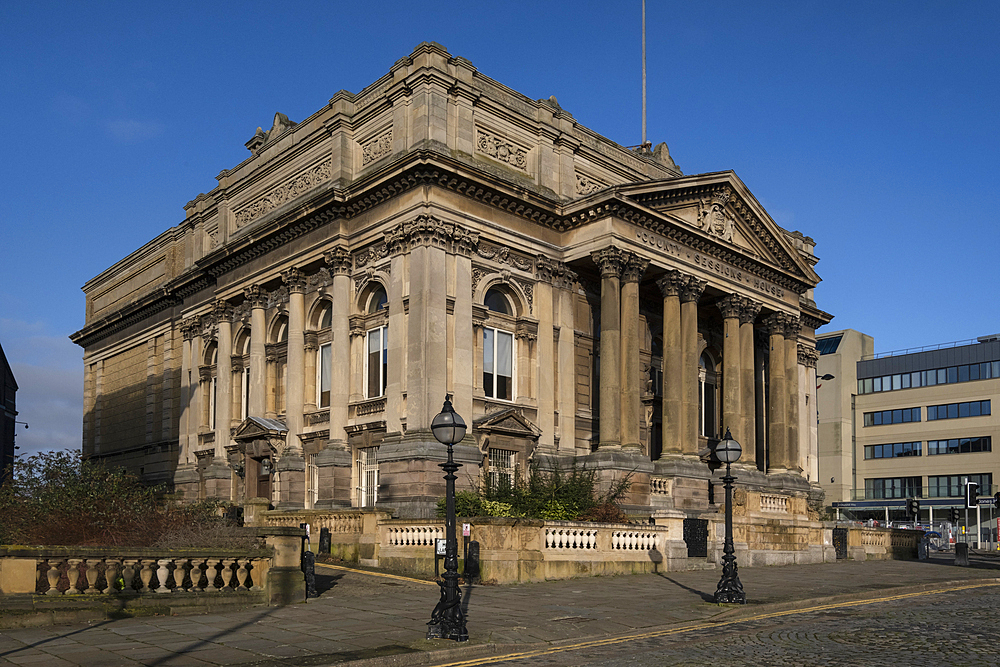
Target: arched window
pixel 498 349
pixel 708 422
pixel 376 347
pixel 324 359
pixel 377 301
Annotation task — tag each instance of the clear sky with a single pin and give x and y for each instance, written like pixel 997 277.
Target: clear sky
pixel 869 126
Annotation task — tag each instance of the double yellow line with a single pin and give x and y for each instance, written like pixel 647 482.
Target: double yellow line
pixel 621 639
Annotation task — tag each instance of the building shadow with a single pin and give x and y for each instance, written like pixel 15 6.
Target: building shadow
pixel 707 597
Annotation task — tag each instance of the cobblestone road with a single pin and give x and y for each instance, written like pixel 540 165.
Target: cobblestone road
pixel 953 628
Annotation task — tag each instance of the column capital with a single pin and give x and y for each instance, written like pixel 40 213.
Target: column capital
pixel 633 267
pixel 731 306
pixel 749 311
pixel 256 295
pixel 294 279
pixel 671 283
pixel 311 341
pixel 464 241
pixel 693 289
pixel 222 311
pixel 793 326
pixel 357 325
pixel 236 362
pixel 546 269
pixel 610 261
pixel 808 356
pixel 338 261
pixel 775 324
pixel 188 327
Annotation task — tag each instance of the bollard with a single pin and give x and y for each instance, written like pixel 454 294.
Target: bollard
pixel 324 541
pixel 471 572
pixel 962 554
pixel 309 568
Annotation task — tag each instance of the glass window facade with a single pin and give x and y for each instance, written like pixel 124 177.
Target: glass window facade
pixel 959 446
pixel 951 375
pixel 951 486
pixel 958 410
pixel 893 450
pixel 898 416
pixel 892 487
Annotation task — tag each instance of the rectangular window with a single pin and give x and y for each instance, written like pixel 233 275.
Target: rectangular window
pixel 502 467
pixel 211 407
pixel 894 450
pixel 952 374
pixel 963 373
pixel 324 368
pixel 952 486
pixel 245 394
pixel 376 362
pixel 893 487
pixel 877 384
pixel 942 376
pixel 906 381
pixel 498 364
pixel 960 445
pixel 899 416
pixel 868 386
pixel 958 410
pixel 367 476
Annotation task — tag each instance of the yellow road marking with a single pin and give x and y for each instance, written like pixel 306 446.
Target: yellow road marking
pixel 702 626
pixel 377 574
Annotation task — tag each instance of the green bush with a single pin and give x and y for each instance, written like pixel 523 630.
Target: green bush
pixel 58 498
pixel 556 495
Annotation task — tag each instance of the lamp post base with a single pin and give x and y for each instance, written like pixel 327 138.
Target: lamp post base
pixel 448 619
pixel 730 590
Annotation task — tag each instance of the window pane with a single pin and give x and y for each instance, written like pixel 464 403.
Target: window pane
pixel 505 353
pixel 942 375
pixel 897 417
pixel 488 351
pixel 953 411
pixel 915 376
pixel 953 375
pixel 906 381
pixel 963 373
pixel 963 409
pixel 877 384
pixel 325 357
pixel 985 407
pixel 897 382
pixel 868 386
pixel 973 372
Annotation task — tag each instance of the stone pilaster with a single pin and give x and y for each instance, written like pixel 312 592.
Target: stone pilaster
pixel 295 365
pixel 463 381
pixel 732 375
pixel 256 405
pixel 808 358
pixel 610 262
pixel 792 328
pixel 777 399
pixel 223 377
pixel 748 402
pixel 690 294
pixel 631 400
pixel 544 275
pixel 338 261
pixel 673 362
pixel 566 359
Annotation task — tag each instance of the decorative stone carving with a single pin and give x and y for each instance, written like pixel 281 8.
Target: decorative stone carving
pixel 189 327
pixel 671 283
pixel 503 255
pixel 610 261
pixel 713 217
pixel 256 296
pixel 241 313
pixel 294 279
pixel 749 311
pixel 501 149
pixel 208 327
pixel 808 356
pixel 311 341
pixel 792 326
pixel 693 289
pixel 545 269
pixel 731 306
pixel 633 268
pixel 526 331
pixel 775 324
pixel 319 279
pixel 376 148
pixel 222 311
pixel 565 278
pixel 287 191
pixel 357 325
pixel 586 185
pixel 277 297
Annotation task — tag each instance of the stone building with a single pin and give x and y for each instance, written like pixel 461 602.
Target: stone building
pixel 436 233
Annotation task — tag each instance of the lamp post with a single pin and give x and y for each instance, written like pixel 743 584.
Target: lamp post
pixel 730 589
pixel 448 619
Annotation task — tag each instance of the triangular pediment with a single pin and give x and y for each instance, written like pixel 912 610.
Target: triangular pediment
pixel 718 209
pixel 253 428
pixel 508 422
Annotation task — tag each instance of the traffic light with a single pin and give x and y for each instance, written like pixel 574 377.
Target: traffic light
pixel 971 495
pixel 996 499
pixel 953 515
pixel 913 508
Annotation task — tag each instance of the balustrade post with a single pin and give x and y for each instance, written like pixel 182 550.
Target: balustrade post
pixel 53 576
pixel 227 572
pixel 179 574
pixel 73 574
pixel 91 575
pixel 241 574
pixel 257 574
pixel 146 574
pixel 111 569
pixel 197 575
pixel 162 573
pixel 128 574
pixel 211 572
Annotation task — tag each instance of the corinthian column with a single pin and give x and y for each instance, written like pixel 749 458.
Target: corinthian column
pixel 792 328
pixel 690 293
pixel 610 261
pixel 673 434
pixel 295 369
pixel 631 402
pixel 732 375
pixel 223 376
pixel 747 365
pixel 339 263
pixel 544 275
pixel 777 398
pixel 258 384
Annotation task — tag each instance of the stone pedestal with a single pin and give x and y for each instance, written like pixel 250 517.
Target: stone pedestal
pixel 334 472
pixel 291 469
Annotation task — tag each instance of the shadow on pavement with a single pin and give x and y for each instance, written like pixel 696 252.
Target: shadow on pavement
pixel 707 597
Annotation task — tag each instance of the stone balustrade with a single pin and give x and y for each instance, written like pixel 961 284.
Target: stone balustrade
pixel 773 503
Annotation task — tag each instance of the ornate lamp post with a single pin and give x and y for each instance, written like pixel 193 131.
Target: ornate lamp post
pixel 448 619
pixel 730 589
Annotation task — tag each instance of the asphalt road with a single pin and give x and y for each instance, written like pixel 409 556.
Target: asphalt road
pixel 954 628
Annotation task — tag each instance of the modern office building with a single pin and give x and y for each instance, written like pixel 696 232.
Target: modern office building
pixel 439 233
pixel 909 424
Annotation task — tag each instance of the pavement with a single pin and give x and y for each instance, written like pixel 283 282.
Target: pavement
pixel 375 619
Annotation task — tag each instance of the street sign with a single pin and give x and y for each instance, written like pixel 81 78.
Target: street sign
pixel 987 502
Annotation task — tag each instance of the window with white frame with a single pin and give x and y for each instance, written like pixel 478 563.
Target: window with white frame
pixel 324 367
pixel 367 463
pixel 376 348
pixel 502 467
pixel 498 351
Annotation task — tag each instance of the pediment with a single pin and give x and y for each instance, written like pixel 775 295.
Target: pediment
pixel 508 422
pixel 719 209
pixel 253 428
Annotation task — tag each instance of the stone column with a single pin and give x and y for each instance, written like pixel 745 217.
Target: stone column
pixel 223 377
pixel 792 328
pixel 339 263
pixel 295 364
pixel 310 376
pixel 673 434
pixel 236 390
pixel 610 261
pixel 397 245
pixel 545 270
pixel 258 384
pixel 463 380
pixel 690 293
pixel 748 401
pixel 566 353
pixel 809 461
pixel 732 374
pixel 777 399
pixel 631 401
pixel 186 454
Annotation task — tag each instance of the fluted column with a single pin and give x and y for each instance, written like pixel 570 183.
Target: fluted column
pixel 631 401
pixel 748 403
pixel 295 364
pixel 544 275
pixel 673 363
pixel 792 328
pixel 223 375
pixel 610 261
pixel 258 385
pixel 690 293
pixel 732 375
pixel 339 263
pixel 566 351
pixel 777 398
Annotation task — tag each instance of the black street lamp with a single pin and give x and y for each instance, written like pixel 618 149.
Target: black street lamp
pixel 730 589
pixel 448 619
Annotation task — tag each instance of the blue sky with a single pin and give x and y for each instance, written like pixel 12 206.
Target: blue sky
pixel 869 126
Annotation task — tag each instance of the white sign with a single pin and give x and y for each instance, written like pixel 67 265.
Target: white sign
pixel 466 529
pixel 440 547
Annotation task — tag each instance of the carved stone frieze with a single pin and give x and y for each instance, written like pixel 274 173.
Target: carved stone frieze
pixel 241 313
pixel 586 185
pixel 503 255
pixel 287 191
pixel 277 297
pixel 376 148
pixel 320 279
pixel 372 253
pixel 502 149
pixel 208 326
